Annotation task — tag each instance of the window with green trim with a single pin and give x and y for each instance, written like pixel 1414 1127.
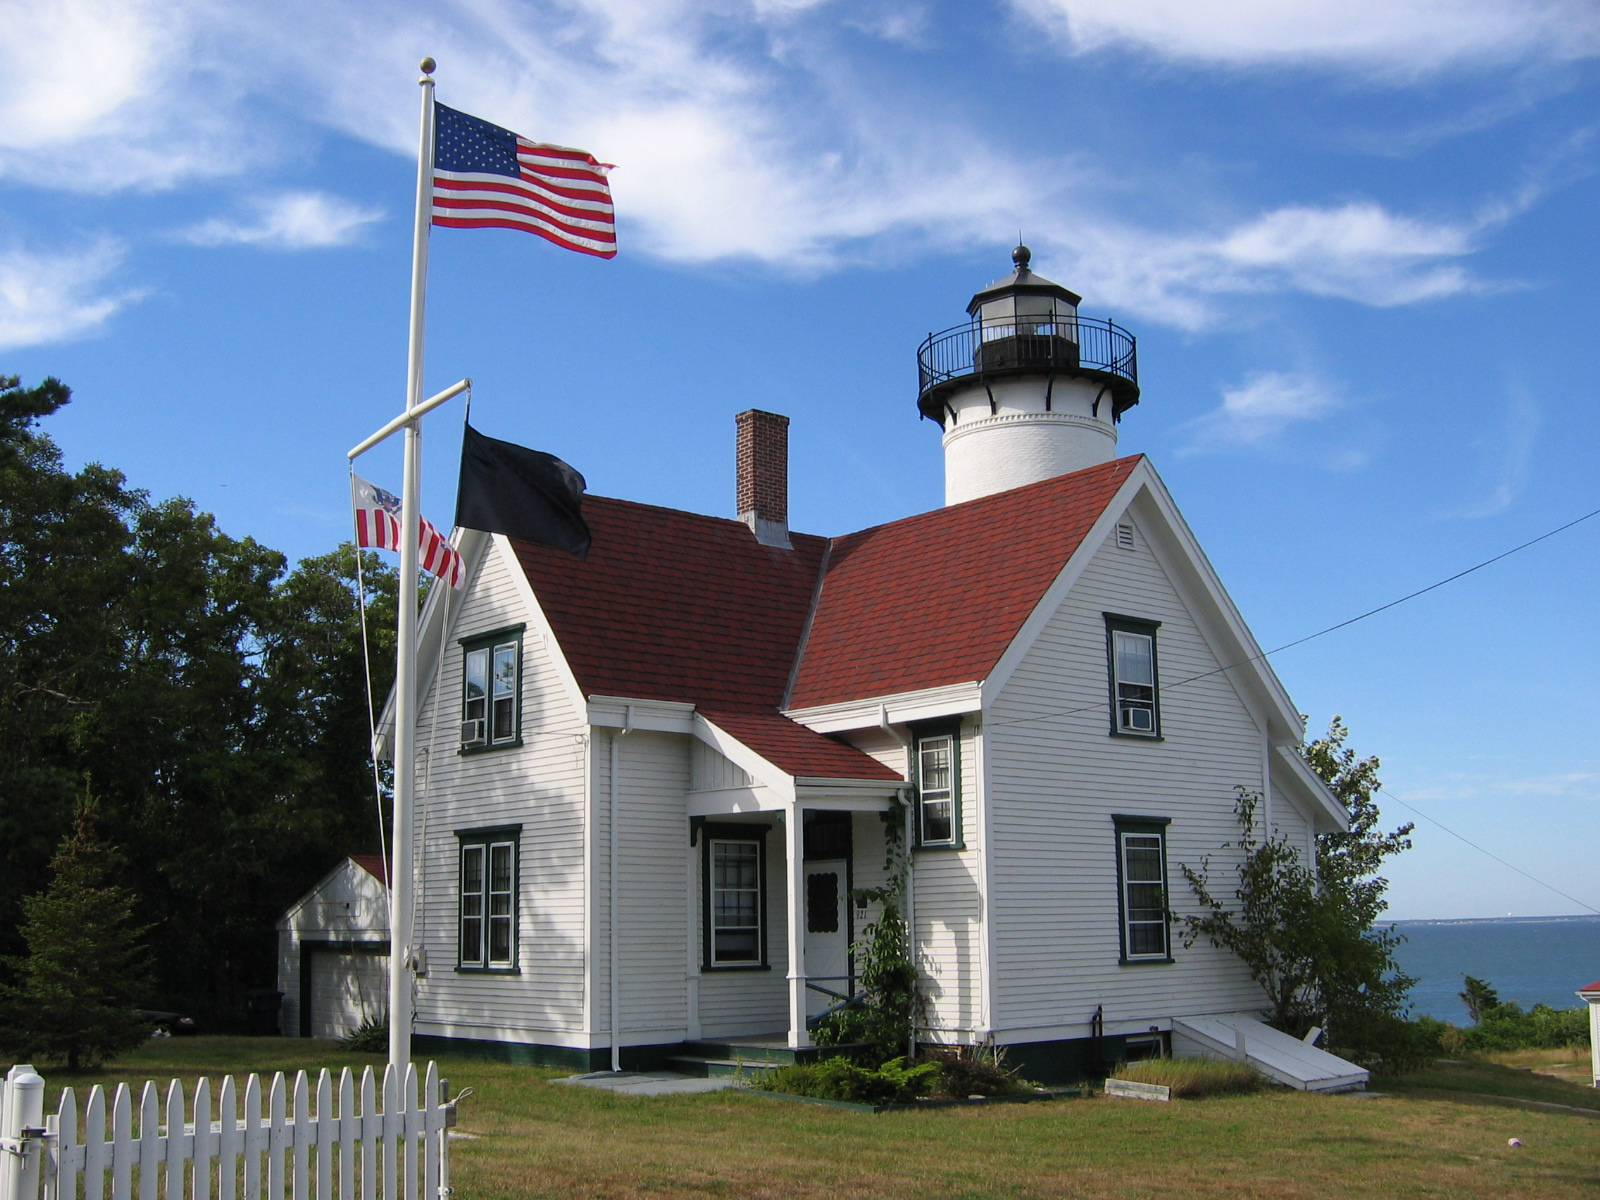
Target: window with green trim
pixel 487 895
pixel 491 690
pixel 1134 676
pixel 1142 889
pixel 735 873
pixel 938 778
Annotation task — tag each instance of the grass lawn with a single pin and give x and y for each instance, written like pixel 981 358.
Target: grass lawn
pixel 1442 1132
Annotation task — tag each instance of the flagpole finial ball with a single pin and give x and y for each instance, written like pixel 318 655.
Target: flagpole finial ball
pixel 428 66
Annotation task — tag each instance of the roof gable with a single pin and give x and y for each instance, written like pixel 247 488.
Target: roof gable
pixel 885 620
pixel 676 606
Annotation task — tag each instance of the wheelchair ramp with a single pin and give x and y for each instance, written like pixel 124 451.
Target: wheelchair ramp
pixel 1276 1055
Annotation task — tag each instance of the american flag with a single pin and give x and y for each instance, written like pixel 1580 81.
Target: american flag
pixel 488 177
pixel 378 527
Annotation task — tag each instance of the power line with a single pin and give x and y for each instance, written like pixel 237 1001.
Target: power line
pixel 1463 838
pixel 1371 612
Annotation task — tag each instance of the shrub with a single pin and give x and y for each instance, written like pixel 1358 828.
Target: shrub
pixel 840 1079
pixel 371 1036
pixel 1191 1077
pixel 972 1071
pixel 1507 1027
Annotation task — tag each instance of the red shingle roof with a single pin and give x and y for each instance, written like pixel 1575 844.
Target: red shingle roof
pixel 1593 987
pixel 676 606
pixel 799 751
pixel 935 599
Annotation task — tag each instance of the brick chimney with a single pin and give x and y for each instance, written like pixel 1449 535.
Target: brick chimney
pixel 763 475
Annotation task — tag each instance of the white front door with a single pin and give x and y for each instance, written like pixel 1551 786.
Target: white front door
pixel 827 932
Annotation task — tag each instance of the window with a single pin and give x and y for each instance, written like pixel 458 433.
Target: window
pixel 1135 677
pixel 492 684
pixel 1142 888
pixel 938 779
pixel 735 872
pixel 487 935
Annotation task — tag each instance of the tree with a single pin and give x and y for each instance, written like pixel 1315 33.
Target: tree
pixel 213 704
pixel 82 976
pixel 1308 932
pixel 1481 999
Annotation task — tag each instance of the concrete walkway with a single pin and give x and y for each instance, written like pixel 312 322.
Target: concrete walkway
pixel 648 1083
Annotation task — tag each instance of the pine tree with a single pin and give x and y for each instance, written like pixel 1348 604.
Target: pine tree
pixel 77 988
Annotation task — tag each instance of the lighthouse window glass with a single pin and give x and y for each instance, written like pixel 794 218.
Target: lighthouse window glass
pixel 1135 678
pixel 490 687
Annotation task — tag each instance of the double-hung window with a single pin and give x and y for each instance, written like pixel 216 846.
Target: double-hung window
pixel 1134 676
pixel 735 896
pixel 492 683
pixel 938 777
pixel 1142 888
pixel 487 930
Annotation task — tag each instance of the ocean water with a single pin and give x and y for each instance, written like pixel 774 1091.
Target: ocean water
pixel 1532 960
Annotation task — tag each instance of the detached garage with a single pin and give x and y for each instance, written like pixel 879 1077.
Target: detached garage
pixel 333 952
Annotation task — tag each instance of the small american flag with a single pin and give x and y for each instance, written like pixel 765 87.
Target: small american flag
pixel 378 527
pixel 488 177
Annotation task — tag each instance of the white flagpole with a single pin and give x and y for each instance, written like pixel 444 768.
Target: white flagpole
pixel 405 707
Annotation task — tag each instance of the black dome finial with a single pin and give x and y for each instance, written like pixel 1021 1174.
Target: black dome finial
pixel 1021 255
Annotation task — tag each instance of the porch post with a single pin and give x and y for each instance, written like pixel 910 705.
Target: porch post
pixel 794 894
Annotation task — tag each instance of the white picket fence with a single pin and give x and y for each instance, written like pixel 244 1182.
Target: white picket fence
pixel 288 1141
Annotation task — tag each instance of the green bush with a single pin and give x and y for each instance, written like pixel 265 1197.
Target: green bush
pixel 966 1071
pixel 840 1079
pixel 1507 1027
pixel 371 1036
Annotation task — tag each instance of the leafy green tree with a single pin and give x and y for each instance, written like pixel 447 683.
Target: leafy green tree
pixel 1308 932
pixel 1480 999
pixel 83 974
pixel 213 703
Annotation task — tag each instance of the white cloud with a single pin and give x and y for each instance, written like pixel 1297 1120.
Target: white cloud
pixel 54 297
pixel 741 134
pixel 1399 38
pixel 292 221
pixel 1357 251
pixel 1262 408
pixel 1510 454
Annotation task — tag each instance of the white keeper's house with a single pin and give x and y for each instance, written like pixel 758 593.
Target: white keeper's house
pixel 653 782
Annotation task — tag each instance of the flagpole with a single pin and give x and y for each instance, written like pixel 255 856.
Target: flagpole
pixel 405 708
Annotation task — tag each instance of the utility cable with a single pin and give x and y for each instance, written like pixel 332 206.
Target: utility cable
pixel 1371 612
pixel 1463 838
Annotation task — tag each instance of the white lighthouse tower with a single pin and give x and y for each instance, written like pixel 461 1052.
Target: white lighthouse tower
pixel 1027 389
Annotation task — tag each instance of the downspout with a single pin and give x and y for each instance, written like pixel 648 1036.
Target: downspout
pixel 907 834
pixel 615 887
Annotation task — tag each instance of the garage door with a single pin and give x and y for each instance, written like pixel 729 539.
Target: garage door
pixel 346 986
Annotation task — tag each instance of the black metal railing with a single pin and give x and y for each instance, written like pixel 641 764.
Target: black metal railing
pixel 1020 344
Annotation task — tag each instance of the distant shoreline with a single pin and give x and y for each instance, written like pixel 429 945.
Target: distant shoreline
pixel 1491 920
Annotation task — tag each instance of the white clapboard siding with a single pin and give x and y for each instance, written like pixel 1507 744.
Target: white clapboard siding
pixel 948 908
pixel 539 786
pixel 1057 781
pixel 348 905
pixel 651 918
pixel 280 1146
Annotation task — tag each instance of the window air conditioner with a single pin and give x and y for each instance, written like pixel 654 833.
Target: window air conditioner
pixel 473 733
pixel 1141 719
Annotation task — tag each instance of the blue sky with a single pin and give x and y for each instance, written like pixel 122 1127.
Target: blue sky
pixel 1356 240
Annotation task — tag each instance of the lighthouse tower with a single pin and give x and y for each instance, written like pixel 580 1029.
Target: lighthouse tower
pixel 1027 389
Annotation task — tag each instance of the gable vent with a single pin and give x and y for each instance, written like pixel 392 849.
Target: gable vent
pixel 1125 536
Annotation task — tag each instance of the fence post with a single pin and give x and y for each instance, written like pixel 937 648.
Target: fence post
pixel 21 1134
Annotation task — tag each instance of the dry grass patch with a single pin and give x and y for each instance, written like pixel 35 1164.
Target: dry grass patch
pixel 1190 1078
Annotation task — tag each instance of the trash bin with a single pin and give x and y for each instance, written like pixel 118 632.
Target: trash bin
pixel 261 1007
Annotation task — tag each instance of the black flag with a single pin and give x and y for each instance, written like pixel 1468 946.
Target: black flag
pixel 524 494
